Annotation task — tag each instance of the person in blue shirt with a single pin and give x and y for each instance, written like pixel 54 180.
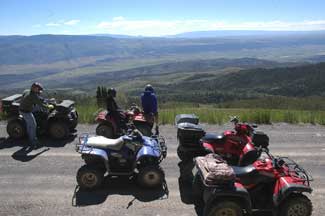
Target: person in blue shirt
pixel 149 104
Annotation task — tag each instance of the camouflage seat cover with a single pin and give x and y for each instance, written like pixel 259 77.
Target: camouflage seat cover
pixel 214 170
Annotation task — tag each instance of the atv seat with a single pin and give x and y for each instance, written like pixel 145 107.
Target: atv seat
pixel 213 138
pixel 246 171
pixel 105 143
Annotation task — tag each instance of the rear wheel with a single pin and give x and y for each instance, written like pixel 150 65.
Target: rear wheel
pixel 105 130
pixel 224 208
pixel 296 205
pixel 90 177
pixel 58 130
pixel 150 177
pixel 16 129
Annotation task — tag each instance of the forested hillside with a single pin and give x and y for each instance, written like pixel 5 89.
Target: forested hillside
pixel 299 81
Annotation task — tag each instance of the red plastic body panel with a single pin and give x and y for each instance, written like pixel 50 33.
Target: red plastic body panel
pixel 239 185
pixel 234 144
pixel 139 117
pixel 210 147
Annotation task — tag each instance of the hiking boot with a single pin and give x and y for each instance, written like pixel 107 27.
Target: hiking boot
pixel 36 145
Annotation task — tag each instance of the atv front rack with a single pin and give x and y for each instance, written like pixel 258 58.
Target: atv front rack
pixel 81 146
pixel 296 171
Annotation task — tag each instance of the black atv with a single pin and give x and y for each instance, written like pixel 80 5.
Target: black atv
pixel 58 122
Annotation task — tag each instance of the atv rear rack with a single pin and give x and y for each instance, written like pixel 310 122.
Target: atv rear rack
pixel 163 146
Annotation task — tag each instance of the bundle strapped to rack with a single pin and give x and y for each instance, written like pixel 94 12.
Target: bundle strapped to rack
pixel 214 170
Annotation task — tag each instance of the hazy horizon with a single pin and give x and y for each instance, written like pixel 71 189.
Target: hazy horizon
pixel 159 18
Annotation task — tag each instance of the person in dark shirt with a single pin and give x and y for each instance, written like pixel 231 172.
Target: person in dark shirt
pixel 114 110
pixel 29 101
pixel 149 104
pixel 110 101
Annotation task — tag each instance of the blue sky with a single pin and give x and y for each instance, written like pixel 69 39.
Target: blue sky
pixel 155 18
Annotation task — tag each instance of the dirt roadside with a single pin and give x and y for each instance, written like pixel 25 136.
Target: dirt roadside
pixel 42 182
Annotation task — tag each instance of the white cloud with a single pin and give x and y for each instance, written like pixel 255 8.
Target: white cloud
pixel 53 24
pixel 121 25
pixel 71 22
pixel 63 22
pixel 119 18
pixel 37 26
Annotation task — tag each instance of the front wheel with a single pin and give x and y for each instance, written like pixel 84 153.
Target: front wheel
pixel 150 177
pixel 90 177
pixel 224 208
pixel 58 130
pixel 296 205
pixel 105 130
pixel 16 129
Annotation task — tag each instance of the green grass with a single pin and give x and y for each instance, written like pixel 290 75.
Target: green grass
pixel 211 115
pixel 259 116
pixel 87 113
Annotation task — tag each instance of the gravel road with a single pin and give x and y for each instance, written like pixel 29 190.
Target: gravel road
pixel 42 182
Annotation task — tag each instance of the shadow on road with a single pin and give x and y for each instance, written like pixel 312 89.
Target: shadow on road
pixel 24 156
pixel 26 153
pixel 120 186
pixel 44 141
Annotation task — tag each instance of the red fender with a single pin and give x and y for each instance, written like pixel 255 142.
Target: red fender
pixel 209 147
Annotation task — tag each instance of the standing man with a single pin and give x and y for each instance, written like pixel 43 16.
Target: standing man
pixel 114 110
pixel 150 105
pixel 29 101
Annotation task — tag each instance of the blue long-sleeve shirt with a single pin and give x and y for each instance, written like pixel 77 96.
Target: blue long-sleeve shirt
pixel 149 102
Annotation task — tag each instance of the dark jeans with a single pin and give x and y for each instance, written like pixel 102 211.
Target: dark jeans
pixel 30 126
pixel 119 119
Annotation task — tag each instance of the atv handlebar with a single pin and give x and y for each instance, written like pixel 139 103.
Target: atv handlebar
pixel 134 133
pixel 243 127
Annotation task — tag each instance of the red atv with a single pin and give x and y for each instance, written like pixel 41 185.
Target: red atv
pixel 273 184
pixel 133 117
pixel 237 147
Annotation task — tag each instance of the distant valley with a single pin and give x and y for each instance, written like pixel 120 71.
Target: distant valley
pixel 213 68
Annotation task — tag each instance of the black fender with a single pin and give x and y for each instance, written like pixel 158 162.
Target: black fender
pixel 289 189
pixel 18 118
pixel 109 124
pixel 58 118
pixel 96 159
pixel 147 160
pixel 55 116
pixel 237 194
pixel 15 117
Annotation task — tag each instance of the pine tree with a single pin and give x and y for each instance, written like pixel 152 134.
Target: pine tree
pixel 98 92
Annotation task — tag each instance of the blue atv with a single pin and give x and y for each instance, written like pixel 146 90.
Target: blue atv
pixel 131 155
